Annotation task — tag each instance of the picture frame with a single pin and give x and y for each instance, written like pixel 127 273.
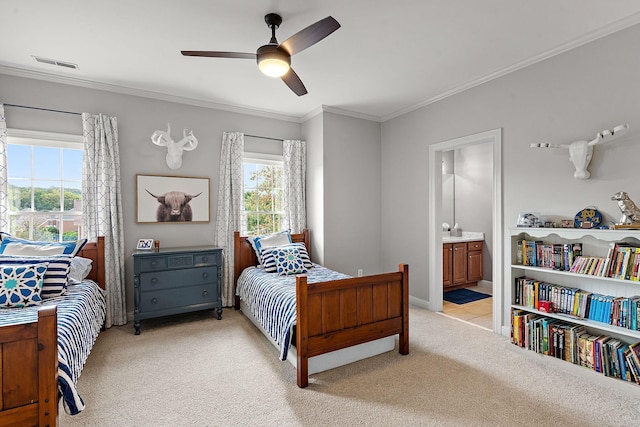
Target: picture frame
pixel 163 199
pixel 145 244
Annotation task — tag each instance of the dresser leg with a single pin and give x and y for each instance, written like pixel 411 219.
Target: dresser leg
pixel 219 312
pixel 136 325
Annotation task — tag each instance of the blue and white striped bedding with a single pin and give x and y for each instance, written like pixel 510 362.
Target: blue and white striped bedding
pixel 271 298
pixel 81 313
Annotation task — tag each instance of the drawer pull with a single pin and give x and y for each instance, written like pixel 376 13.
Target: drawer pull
pixel 205 275
pixel 154 300
pixel 205 293
pixel 204 259
pixel 153 263
pixel 154 280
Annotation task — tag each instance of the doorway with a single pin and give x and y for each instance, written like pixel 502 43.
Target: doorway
pixel 436 152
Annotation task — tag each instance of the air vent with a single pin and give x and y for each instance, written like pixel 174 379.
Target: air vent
pixel 55 62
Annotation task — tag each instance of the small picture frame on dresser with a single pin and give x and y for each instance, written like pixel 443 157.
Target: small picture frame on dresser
pixel 145 244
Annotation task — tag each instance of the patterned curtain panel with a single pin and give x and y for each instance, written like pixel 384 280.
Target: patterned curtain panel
pixel 102 206
pixel 4 187
pixel 230 213
pixel 295 169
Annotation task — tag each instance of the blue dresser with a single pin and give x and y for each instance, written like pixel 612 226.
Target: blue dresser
pixel 176 280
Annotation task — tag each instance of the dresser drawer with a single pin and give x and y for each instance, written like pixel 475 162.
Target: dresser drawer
pixel 153 263
pixel 178 278
pixel 208 258
pixel 179 297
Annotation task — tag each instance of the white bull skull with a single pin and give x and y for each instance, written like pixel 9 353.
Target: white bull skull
pixel 174 149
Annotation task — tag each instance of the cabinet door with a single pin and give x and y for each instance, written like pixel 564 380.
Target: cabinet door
pixel 447 258
pixel 459 263
pixel 474 266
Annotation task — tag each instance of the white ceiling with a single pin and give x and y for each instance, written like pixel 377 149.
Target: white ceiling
pixel 389 57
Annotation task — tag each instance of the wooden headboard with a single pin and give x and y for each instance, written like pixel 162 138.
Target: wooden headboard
pixel 244 256
pixel 95 252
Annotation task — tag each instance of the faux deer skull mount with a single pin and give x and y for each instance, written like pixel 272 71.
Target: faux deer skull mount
pixel 580 152
pixel 174 149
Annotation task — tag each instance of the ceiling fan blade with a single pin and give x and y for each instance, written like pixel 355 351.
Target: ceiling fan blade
pixel 292 80
pixel 310 35
pixel 212 54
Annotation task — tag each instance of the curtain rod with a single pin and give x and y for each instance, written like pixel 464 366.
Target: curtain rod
pixel 42 109
pixel 263 137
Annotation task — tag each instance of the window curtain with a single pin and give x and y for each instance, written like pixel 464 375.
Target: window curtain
pixel 295 168
pixel 4 186
pixel 230 211
pixel 102 206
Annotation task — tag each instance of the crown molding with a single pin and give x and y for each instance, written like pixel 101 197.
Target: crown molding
pixel 587 38
pixel 90 84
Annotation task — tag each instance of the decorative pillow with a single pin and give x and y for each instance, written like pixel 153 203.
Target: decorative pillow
pixel 20 285
pixel 79 269
pixel 55 278
pixel 275 239
pixel 268 259
pixel 16 246
pixel 288 261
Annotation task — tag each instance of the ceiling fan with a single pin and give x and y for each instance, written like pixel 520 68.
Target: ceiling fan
pixel 274 59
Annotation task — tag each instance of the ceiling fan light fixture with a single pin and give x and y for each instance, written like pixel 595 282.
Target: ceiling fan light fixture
pixel 273 61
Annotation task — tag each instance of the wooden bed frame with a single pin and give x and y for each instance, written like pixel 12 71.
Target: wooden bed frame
pixel 341 313
pixel 29 360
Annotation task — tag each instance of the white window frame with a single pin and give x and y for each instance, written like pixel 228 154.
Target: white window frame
pixel 46 139
pixel 265 159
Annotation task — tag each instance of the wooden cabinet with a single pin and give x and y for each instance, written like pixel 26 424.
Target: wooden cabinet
pixel 176 280
pixel 461 264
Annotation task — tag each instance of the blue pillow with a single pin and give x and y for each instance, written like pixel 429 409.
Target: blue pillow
pixel 20 285
pixel 288 261
pixel 24 245
pixel 268 259
pixel 274 239
pixel 55 278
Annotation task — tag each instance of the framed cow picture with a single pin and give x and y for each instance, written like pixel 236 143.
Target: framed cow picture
pixel 170 199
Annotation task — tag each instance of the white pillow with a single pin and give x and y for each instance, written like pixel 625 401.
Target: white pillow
pixel 32 250
pixel 276 239
pixel 79 269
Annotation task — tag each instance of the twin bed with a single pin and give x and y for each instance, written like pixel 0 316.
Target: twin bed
pixel 43 348
pixel 322 319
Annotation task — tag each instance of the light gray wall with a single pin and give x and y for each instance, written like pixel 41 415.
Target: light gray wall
pixel 474 196
pixel 312 133
pixel 565 98
pixel 137 119
pixel 352 194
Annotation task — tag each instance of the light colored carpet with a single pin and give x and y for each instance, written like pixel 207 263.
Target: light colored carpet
pixel 194 370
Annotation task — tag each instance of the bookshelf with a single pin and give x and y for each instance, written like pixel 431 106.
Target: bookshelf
pixel 571 296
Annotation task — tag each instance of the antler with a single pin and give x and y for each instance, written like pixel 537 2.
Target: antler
pixel 609 135
pixel 161 137
pixel 188 142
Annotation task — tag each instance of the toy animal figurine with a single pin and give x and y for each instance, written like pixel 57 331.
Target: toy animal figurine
pixel 630 212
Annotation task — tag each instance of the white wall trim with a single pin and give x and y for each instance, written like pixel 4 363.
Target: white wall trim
pixel 435 220
pixel 572 44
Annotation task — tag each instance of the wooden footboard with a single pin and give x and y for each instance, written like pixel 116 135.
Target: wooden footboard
pixel 29 372
pixel 342 313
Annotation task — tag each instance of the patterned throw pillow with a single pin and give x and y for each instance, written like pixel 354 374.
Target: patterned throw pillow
pixel 268 259
pixel 274 239
pixel 288 261
pixel 55 278
pixel 20 285
pixel 11 245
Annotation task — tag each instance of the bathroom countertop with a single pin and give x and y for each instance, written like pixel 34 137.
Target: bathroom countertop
pixel 467 236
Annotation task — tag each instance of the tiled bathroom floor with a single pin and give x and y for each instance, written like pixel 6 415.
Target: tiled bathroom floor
pixel 479 312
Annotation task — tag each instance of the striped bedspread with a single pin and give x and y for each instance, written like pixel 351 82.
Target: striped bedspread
pixel 272 300
pixel 81 312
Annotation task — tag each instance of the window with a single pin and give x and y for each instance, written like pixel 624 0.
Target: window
pixel 44 172
pixel 263 193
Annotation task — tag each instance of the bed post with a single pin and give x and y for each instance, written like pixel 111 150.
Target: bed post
pixel 47 367
pixel 403 346
pixel 302 330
